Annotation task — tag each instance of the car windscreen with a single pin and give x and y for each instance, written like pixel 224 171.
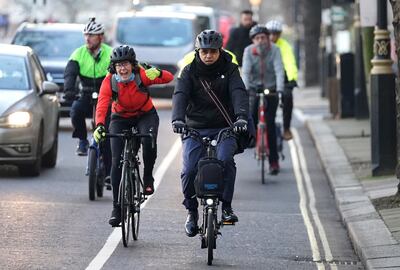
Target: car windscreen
pixel 151 31
pixel 13 74
pixel 51 44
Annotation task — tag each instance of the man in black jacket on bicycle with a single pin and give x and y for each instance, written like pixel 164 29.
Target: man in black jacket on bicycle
pixel 192 107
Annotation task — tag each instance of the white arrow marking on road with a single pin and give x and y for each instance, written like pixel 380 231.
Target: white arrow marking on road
pixel 115 237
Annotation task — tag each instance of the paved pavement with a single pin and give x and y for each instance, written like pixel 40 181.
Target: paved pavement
pixel 344 148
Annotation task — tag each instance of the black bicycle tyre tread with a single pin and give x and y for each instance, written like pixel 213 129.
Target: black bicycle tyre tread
pixel 210 236
pixel 125 217
pixel 92 164
pixel 137 195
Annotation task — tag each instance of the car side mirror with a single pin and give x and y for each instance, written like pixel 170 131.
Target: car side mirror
pixel 49 88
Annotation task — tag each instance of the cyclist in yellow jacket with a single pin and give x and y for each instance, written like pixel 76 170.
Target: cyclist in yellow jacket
pixel 289 62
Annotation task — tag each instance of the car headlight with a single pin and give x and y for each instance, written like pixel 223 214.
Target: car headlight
pixel 16 120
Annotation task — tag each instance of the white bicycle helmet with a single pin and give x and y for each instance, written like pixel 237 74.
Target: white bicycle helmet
pixel 93 28
pixel 274 26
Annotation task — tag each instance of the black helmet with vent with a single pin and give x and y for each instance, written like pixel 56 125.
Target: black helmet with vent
pixel 123 53
pixel 209 39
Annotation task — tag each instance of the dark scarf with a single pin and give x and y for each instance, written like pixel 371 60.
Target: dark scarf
pixel 210 71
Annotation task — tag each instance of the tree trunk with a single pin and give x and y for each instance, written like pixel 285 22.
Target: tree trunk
pixel 396 27
pixel 311 11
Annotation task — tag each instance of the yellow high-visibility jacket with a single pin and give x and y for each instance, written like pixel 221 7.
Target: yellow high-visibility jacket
pixel 288 59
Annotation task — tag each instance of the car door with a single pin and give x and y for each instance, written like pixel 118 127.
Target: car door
pixel 48 102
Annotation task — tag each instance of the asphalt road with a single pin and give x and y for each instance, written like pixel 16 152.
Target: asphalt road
pixel 291 222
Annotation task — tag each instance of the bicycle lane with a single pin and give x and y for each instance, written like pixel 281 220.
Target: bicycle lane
pixel 271 233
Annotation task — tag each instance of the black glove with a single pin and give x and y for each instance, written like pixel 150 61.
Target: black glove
pixel 69 96
pixel 240 126
pixel 291 84
pixel 179 126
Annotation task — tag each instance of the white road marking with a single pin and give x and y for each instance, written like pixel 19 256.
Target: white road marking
pixel 304 117
pixel 311 195
pixel 115 237
pixel 303 206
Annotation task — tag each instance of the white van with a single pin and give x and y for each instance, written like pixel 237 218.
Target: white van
pixel 160 39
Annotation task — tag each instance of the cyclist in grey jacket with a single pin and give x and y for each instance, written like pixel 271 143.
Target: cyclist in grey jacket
pixel 263 68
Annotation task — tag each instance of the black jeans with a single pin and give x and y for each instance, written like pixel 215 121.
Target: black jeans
pixel 143 123
pixel 287 102
pixel 271 104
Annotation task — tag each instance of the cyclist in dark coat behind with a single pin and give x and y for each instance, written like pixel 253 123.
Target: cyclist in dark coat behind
pixel 239 36
pixel 193 108
pixel 90 63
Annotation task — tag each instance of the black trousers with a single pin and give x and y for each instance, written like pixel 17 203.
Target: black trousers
pixel 287 102
pixel 271 104
pixel 143 123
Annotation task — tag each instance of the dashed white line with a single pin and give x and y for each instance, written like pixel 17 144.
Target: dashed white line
pixel 115 237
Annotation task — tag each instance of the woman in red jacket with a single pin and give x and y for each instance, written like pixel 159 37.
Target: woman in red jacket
pixel 131 106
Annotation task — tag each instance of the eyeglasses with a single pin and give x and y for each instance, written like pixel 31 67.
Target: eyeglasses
pixel 122 64
pixel 208 51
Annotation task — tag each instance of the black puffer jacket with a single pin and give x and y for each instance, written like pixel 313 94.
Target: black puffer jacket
pixel 238 40
pixel 192 104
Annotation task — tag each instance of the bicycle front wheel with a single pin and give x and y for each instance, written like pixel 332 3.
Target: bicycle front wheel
pixel 125 199
pixel 137 201
pixel 210 231
pixel 92 164
pixel 262 153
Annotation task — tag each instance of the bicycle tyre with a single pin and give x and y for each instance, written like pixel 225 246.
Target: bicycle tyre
pixel 101 175
pixel 210 236
pixel 262 155
pixel 92 164
pixel 137 201
pixel 125 202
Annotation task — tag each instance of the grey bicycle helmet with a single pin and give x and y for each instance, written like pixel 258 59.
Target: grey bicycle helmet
pixel 258 29
pixel 123 53
pixel 274 26
pixel 209 39
pixel 93 28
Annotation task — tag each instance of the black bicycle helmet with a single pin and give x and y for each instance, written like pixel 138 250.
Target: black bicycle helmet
pixel 209 39
pixel 258 29
pixel 93 28
pixel 123 53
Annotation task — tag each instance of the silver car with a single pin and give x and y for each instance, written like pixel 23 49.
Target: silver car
pixel 28 111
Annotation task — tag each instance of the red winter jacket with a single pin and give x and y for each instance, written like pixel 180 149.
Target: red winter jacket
pixel 131 102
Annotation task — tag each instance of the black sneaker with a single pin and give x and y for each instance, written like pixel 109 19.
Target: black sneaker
pixel 115 218
pixel 228 215
pixel 82 148
pixel 191 228
pixel 107 182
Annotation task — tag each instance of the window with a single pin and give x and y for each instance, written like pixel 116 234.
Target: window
pixel 54 44
pixel 13 73
pixel 152 31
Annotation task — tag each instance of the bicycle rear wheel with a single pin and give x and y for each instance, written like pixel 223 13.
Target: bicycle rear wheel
pixel 210 235
pixel 137 201
pixel 92 164
pixel 125 198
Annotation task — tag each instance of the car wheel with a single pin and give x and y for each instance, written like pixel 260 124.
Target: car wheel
pixel 33 169
pixel 50 158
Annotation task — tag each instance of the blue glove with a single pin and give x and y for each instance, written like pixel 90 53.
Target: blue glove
pixel 99 133
pixel 179 127
pixel 240 126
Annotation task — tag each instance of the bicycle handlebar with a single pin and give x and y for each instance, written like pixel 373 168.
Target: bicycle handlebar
pixel 133 133
pixel 207 140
